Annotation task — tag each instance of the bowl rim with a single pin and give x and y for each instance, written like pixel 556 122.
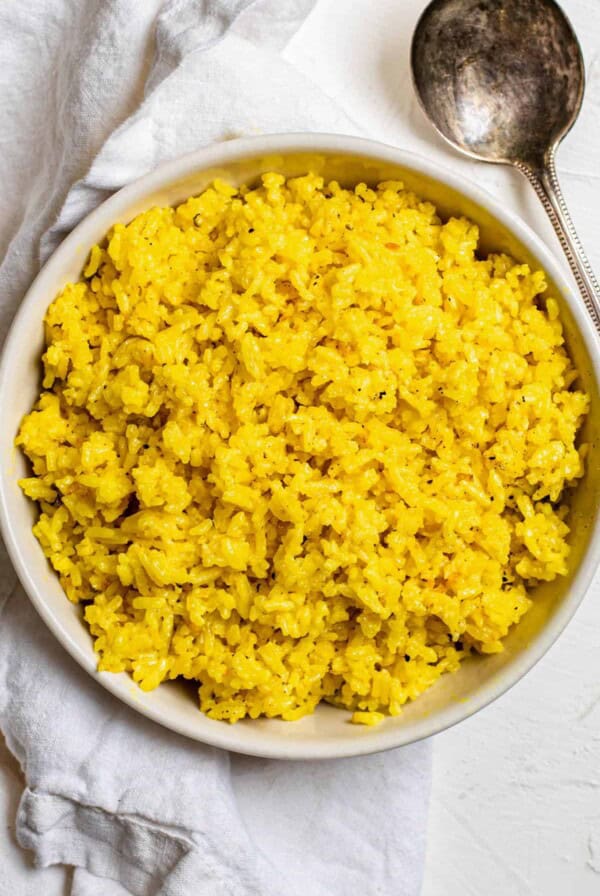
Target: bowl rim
pixel 227 736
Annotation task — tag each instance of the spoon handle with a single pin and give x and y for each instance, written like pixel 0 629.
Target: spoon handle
pixel 546 185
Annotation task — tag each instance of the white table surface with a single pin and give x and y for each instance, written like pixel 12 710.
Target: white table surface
pixel 515 806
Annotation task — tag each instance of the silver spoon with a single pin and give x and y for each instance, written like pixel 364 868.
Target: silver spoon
pixel 503 81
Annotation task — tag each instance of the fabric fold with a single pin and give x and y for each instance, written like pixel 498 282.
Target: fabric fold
pixel 45 820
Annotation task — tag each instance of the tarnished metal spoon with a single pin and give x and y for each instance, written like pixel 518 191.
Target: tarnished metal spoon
pixel 503 81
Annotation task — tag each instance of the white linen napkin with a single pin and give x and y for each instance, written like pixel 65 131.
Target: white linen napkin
pixel 96 94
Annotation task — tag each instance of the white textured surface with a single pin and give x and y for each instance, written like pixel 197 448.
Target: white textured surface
pixel 515 807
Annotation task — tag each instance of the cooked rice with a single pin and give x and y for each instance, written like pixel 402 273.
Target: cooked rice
pixel 301 443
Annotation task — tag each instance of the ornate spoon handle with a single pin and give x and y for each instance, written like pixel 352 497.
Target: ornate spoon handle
pixel 546 185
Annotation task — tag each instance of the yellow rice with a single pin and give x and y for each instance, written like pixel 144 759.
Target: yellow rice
pixel 301 443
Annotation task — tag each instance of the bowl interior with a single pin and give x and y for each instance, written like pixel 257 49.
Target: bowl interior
pixel 327 732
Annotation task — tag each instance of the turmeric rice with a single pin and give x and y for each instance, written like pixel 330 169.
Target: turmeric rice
pixel 302 443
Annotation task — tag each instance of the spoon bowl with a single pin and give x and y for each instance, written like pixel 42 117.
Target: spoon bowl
pixel 503 81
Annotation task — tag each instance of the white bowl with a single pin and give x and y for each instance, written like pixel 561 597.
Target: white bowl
pixel 327 733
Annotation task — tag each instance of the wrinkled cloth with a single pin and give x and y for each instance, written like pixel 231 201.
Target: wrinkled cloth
pixel 95 94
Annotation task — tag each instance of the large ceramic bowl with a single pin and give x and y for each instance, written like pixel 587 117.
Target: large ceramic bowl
pixel 327 733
